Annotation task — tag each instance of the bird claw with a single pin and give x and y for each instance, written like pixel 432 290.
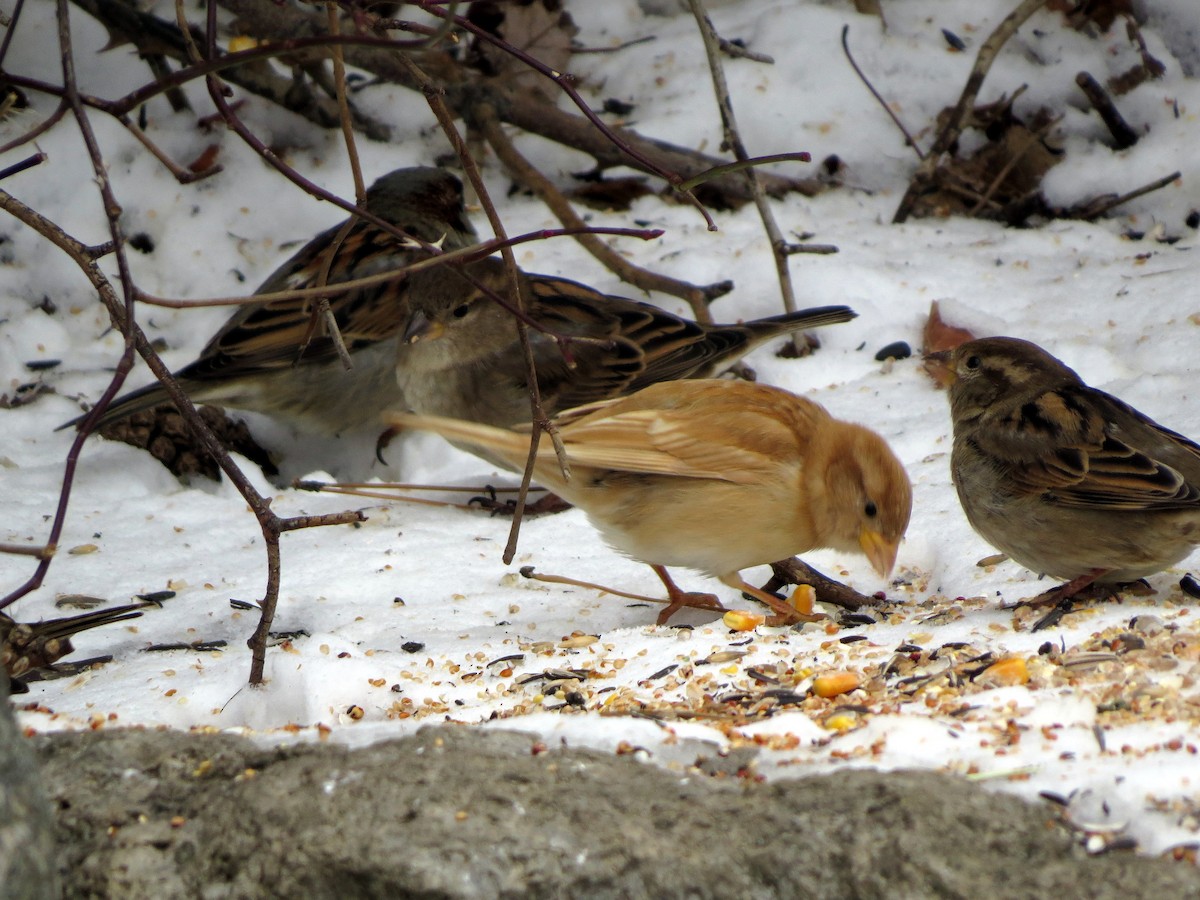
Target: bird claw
pixel 384 439
pixel 545 505
pixel 692 599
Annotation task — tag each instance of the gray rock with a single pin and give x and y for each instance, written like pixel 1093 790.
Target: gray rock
pixel 27 868
pixel 460 812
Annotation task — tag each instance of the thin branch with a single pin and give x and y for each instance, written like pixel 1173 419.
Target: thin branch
pixel 733 142
pixel 698 297
pixel 1097 207
pixel 909 140
pixel 1123 135
pixel 538 417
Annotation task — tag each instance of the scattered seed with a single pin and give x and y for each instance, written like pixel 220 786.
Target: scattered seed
pixel 412 646
pixel 577 641
pixel 722 656
pixel 156 596
pixel 1010 671
pixel 78 601
pixel 852 619
pixel 760 675
pixel 505 660
pixel 834 683
pixel 741 620
pixel 894 350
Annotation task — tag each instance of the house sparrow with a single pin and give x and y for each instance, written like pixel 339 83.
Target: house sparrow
pixel 260 360
pixel 715 475
pixel 1067 480
pixel 25 647
pixel 461 358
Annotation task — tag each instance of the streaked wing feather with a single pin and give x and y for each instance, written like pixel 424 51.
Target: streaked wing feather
pixel 662 442
pixel 1111 476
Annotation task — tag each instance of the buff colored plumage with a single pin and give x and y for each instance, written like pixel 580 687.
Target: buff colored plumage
pixel 715 475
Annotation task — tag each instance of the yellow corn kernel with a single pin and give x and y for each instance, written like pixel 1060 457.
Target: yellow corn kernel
pixel 1009 671
pixel 742 620
pixel 834 683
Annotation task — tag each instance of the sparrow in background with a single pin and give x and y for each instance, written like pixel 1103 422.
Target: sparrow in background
pixel 262 359
pixel 25 647
pixel 461 358
pixel 1067 480
pixel 715 475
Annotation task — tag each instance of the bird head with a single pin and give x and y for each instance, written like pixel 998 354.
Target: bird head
pixel 985 372
pixel 869 497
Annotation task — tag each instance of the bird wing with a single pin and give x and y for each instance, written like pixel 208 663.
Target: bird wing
pixel 1112 459
pixel 279 334
pixel 669 429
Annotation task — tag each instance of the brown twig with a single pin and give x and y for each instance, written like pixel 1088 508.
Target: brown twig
pixel 520 108
pixel 1123 135
pixel 796 571
pixel 923 178
pixel 733 141
pixel 1098 206
pixel 698 297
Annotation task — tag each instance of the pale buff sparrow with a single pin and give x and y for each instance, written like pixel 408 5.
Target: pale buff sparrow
pixel 715 475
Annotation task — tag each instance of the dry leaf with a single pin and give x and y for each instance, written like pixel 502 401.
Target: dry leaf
pixel 939 336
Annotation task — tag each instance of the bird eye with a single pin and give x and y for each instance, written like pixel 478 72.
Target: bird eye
pixel 870 509
pixel 973 362
pixel 460 311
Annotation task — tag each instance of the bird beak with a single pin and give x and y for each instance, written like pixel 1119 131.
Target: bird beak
pixel 421 329
pixel 879 550
pixel 939 369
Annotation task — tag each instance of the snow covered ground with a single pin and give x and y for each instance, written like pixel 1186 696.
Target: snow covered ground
pixel 405 616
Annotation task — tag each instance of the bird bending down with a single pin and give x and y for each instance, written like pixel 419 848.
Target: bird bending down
pixel 268 358
pixel 1067 480
pixel 715 475
pixel 461 356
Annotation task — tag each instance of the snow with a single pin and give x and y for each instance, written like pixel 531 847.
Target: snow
pixel 1122 312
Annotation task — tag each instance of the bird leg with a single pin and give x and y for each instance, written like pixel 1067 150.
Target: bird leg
pixel 785 613
pixel 677 598
pixel 1064 596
